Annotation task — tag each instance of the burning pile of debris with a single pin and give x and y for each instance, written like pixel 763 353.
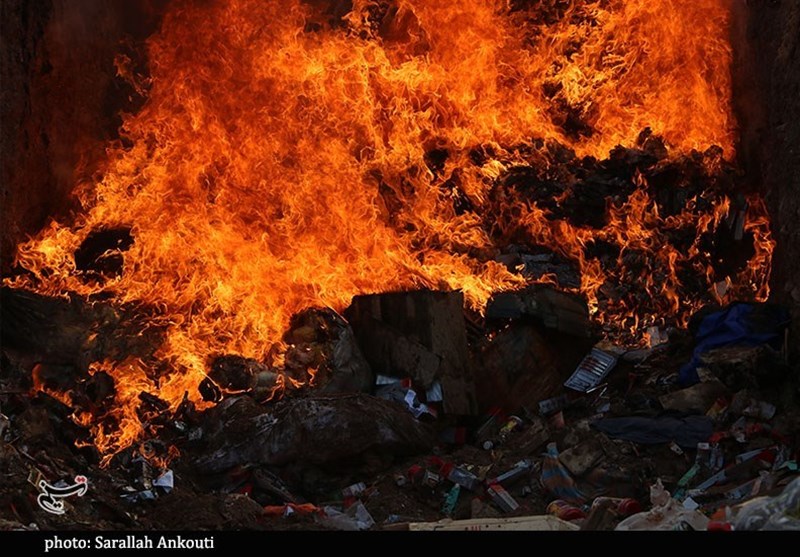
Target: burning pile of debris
pixel 424 420
pixel 447 301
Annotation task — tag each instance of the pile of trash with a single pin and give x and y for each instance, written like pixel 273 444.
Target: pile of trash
pixel 691 433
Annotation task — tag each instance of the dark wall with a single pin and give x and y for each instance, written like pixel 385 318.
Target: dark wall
pixel 767 95
pixel 59 100
pixel 23 149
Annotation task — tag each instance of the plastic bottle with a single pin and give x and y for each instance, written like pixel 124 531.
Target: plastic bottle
pixel 513 423
pixel 623 506
pixel 565 510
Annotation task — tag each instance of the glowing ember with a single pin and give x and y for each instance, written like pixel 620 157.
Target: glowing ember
pixel 282 161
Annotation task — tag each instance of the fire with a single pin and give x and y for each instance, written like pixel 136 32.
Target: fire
pixel 283 160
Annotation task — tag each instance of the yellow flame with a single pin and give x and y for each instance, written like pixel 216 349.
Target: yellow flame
pixel 279 162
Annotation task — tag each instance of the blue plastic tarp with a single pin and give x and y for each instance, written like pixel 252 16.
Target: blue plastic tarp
pixel 741 324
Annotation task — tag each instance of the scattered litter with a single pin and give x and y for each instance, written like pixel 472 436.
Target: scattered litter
pixel 745 490
pixel 258 452
pixel 489 427
pixel 581 458
pixel 745 405
pixel 354 490
pixel 690 504
pixel 502 498
pixel 666 514
pixel 528 523
pixel 400 393
pixel 591 371
pixel 556 479
pixel 133 496
pixel 431 479
pixel 464 478
pixel 781 512
pixel 673 446
pixel 511 424
pixel 554 404
pixel 355 517
pixel 623 506
pixel 520 470
pixel 656 336
pixel 564 510
pixel 5 424
pixel 290 509
pixel 434 392
pixel 748 455
pixel 450 500
pixel 166 481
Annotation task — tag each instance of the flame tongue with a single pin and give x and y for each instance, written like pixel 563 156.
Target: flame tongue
pixel 290 155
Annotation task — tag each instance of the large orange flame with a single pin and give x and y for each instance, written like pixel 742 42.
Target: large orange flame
pixel 279 162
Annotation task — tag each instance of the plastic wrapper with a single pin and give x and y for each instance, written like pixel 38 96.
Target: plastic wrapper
pixel 356 517
pixel 781 512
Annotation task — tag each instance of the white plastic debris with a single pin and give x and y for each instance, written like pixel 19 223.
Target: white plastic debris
pixel 4 424
pixel 690 504
pixel 165 481
pixel 406 396
pixel 781 512
pixel 666 514
pixel 434 392
pixel 356 517
pixel 656 337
